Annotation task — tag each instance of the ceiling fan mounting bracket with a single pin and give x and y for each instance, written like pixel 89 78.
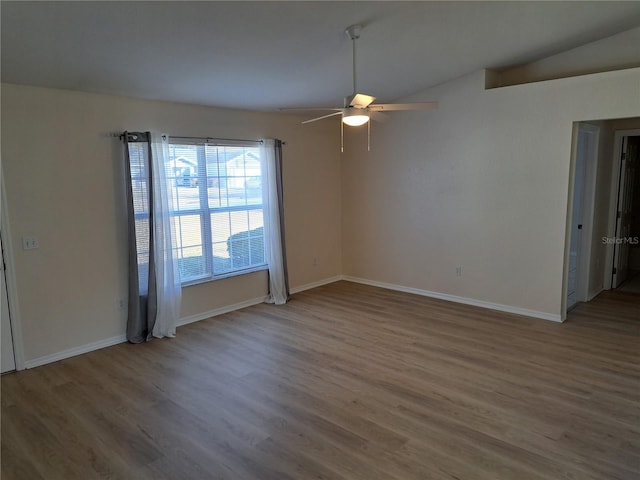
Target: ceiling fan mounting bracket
pixel 353 32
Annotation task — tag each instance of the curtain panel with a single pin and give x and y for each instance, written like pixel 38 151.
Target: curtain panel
pixel 274 222
pixel 154 278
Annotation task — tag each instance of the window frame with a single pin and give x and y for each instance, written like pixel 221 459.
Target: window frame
pixel 205 210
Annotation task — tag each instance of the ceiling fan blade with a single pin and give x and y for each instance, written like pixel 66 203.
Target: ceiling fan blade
pixel 309 109
pixel 359 100
pixel 323 117
pixel 378 117
pixel 389 107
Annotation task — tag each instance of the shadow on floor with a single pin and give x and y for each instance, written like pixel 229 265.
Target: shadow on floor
pixel 631 285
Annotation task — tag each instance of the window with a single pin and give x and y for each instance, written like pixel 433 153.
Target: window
pixel 217 197
pixel 218 203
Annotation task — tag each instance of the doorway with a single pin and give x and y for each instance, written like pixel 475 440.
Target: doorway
pixel 625 272
pixel 593 230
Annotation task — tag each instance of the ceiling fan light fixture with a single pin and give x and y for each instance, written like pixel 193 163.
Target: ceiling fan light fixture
pixel 354 118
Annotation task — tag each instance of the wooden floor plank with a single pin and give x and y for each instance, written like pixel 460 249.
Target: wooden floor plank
pixel 344 382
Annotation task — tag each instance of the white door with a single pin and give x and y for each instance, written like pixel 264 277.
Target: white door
pixel 582 214
pixel 629 163
pixel 576 224
pixel 8 359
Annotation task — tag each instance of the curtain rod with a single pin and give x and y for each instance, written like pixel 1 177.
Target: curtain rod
pixel 213 139
pixel 206 139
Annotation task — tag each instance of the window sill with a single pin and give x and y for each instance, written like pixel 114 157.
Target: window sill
pixel 198 281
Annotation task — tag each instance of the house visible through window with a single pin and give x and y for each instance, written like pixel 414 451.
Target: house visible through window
pixel 217 197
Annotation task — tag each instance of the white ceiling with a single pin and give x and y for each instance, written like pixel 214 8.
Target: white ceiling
pixel 265 55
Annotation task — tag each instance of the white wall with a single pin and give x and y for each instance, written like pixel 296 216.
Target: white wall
pixel 480 183
pixel 63 177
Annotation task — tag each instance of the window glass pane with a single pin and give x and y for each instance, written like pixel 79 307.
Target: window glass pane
pixel 256 219
pixel 237 243
pixel 184 171
pixel 239 221
pixel 216 177
pixel 254 190
pixel 246 248
pixel 256 233
pixel 223 184
pixel 192 264
pixel 140 197
pixel 142 247
pixel 221 260
pixel 238 240
pixel 244 170
pixel 138 159
pixel 190 246
pixel 220 226
pixel 139 162
pixel 246 243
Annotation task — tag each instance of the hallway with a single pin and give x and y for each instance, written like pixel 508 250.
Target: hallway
pixel 613 310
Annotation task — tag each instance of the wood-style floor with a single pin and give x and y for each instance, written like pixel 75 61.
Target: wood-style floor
pixel 344 382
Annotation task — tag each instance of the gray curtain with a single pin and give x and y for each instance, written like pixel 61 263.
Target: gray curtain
pixel 142 277
pixel 280 191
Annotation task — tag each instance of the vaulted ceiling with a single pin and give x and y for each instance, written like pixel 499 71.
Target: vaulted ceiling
pixel 265 55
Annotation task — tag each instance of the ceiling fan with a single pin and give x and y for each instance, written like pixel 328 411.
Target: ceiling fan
pixel 359 108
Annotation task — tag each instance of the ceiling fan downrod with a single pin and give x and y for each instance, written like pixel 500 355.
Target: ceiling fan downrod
pixel 353 32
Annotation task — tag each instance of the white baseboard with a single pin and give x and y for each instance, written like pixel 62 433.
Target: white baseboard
pixel 72 352
pixel 219 311
pixel 319 283
pixel 454 298
pixel 108 342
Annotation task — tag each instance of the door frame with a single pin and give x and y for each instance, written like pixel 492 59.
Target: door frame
pixel 10 278
pixel 584 263
pixel 619 136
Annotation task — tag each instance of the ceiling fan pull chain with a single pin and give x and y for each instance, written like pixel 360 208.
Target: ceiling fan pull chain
pixel 341 137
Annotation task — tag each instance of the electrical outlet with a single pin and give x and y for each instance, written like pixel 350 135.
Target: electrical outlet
pixel 458 271
pixel 30 243
pixel 122 304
